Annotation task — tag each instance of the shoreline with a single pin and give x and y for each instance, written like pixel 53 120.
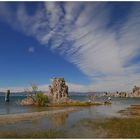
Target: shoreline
pixel 114 127
pixel 13 118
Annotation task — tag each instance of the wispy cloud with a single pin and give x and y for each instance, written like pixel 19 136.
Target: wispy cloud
pixel 100 52
pixel 72 88
pixel 31 49
pixel 13 89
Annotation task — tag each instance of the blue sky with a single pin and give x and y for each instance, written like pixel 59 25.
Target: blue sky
pixel 93 45
pixel 24 61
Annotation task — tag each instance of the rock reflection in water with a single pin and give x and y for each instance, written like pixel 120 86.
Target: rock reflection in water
pixel 7 108
pixel 59 119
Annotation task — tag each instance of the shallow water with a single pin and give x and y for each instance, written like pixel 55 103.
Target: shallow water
pixel 65 120
pixel 12 107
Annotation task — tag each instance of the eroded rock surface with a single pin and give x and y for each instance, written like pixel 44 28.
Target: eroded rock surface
pixel 58 90
pixel 27 101
pixel 136 91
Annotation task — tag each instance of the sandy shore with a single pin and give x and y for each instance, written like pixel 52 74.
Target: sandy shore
pixel 13 118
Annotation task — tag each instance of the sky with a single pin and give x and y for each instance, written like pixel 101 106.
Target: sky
pixel 95 46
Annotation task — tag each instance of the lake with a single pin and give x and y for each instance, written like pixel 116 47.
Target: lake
pixel 13 107
pixel 65 120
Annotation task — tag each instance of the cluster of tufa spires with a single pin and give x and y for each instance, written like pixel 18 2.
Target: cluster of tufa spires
pixel 134 93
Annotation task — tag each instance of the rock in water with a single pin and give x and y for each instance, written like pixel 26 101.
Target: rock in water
pixel 136 91
pixel 7 99
pixel 58 90
pixel 27 101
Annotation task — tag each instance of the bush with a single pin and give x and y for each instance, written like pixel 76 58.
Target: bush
pixel 41 99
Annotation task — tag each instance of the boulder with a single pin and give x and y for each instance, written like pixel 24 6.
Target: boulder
pixel 27 101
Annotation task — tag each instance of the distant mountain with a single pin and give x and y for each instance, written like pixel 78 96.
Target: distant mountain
pixel 2 93
pixel 83 93
pixel 14 94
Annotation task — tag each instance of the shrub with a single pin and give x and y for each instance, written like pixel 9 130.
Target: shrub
pixel 41 99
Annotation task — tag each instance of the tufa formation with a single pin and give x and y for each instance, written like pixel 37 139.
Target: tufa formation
pixel 7 96
pixel 58 90
pixel 134 93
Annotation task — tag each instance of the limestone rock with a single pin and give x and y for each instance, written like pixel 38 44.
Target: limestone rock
pixel 58 90
pixel 27 101
pixel 136 91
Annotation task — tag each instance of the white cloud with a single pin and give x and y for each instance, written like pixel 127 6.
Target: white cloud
pixel 31 49
pixel 13 89
pixel 72 88
pixel 102 53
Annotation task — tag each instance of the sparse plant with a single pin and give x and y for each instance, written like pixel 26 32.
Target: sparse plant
pixel 38 97
pixel 41 99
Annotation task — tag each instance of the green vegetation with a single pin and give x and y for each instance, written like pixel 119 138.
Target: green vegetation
pixel 115 127
pixel 78 103
pixel 41 99
pixel 35 97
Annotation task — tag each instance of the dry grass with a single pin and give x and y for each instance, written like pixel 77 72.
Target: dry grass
pixel 116 127
pixel 109 128
pixel 119 127
pixel 132 111
pixel 39 134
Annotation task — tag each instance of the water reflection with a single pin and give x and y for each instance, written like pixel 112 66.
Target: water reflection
pixel 7 108
pixel 59 119
pixel 92 111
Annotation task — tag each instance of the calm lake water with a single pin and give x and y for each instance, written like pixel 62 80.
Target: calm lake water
pixel 13 107
pixel 65 120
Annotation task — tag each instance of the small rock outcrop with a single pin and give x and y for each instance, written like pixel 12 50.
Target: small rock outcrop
pixel 58 90
pixel 27 101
